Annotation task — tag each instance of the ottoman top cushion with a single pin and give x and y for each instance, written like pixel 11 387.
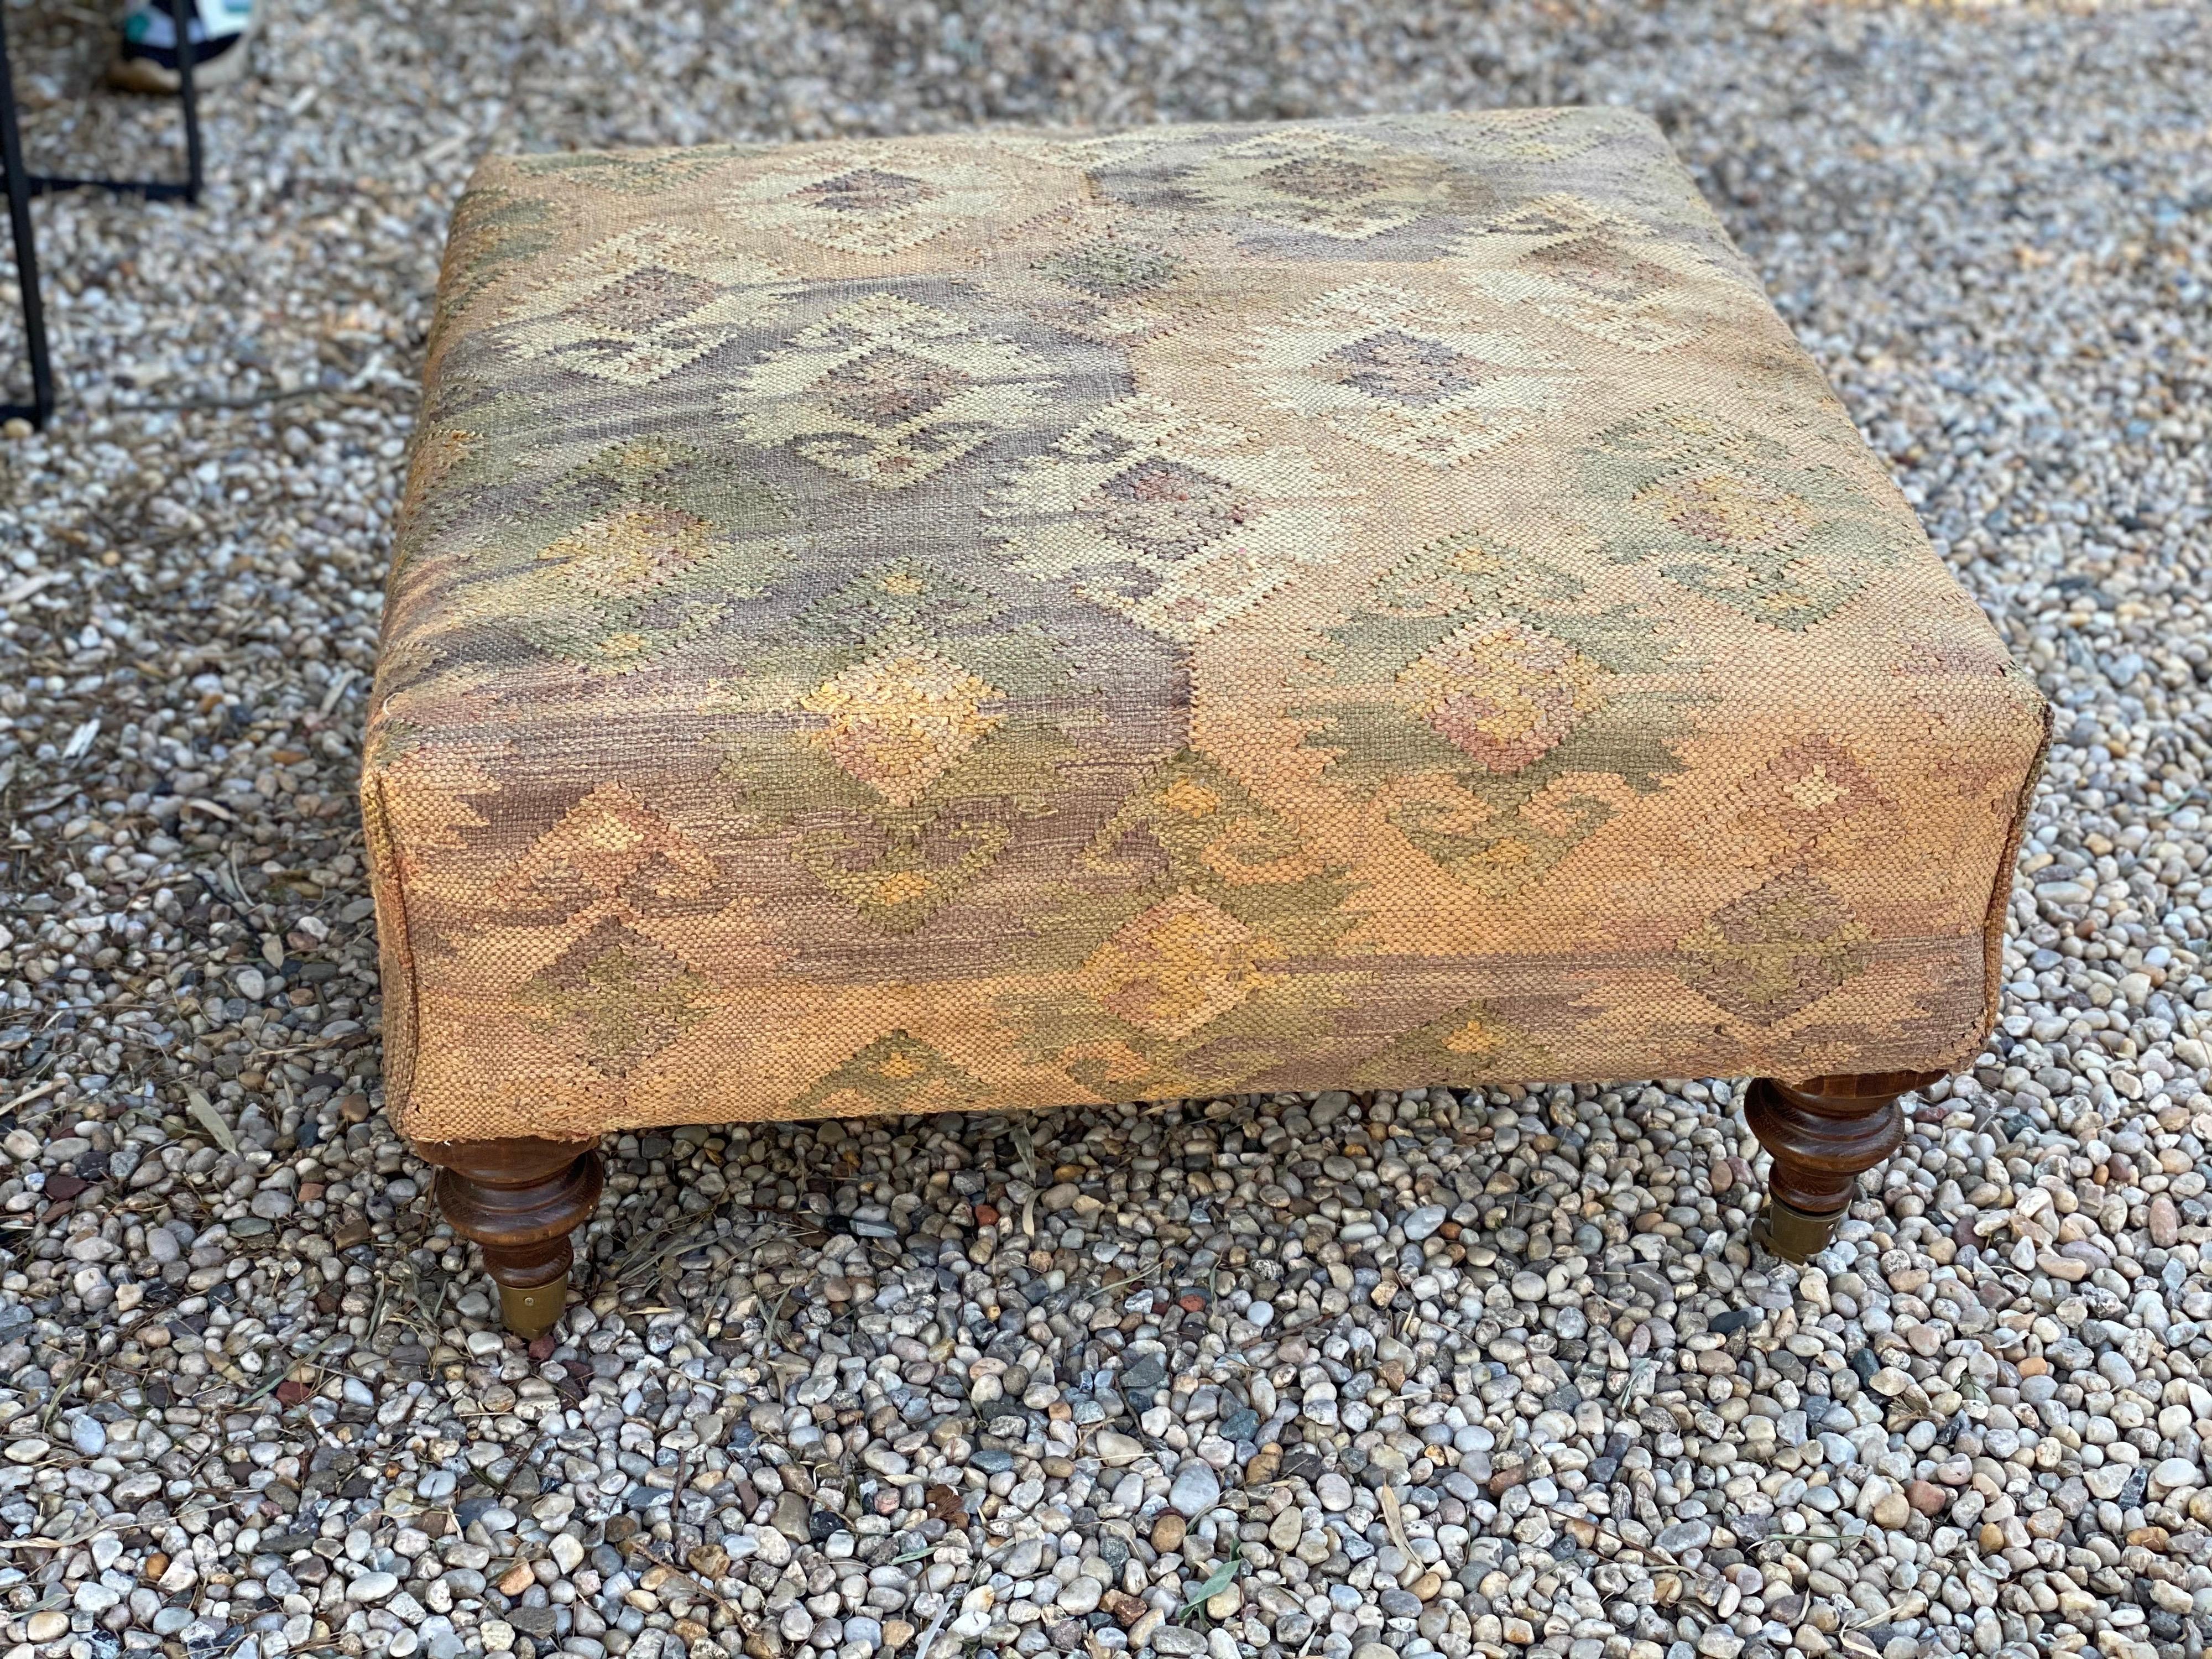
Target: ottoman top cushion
pixel 1016 619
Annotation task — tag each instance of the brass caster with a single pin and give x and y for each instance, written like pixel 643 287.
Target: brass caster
pixel 1791 1233
pixel 530 1311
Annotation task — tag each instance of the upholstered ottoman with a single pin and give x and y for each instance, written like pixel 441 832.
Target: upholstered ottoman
pixel 1023 620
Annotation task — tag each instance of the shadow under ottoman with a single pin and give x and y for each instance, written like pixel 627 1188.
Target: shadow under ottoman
pixel 1021 619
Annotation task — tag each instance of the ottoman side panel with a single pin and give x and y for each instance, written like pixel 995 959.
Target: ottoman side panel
pixel 411 809
pixel 2002 887
pixel 395 963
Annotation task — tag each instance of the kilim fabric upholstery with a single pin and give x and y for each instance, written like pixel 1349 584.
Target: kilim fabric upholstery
pixel 1016 620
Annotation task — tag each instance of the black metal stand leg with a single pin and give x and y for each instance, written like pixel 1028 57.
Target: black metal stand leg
pixel 181 13
pixel 22 184
pixel 41 405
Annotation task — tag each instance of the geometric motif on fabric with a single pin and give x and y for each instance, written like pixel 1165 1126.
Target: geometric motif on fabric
pixel 1109 268
pixel 881 199
pixel 1331 184
pixel 619 996
pixel 920 727
pixel 1814 801
pixel 1599 272
pixel 899 720
pixel 1732 515
pixel 884 391
pixel 1405 375
pixel 1475 1041
pixel 1788 943
pixel 637 551
pixel 896 1073
pixel 1172 962
pixel 1306 193
pixel 1108 287
pixel 609 847
pixel 638 306
pixel 1543 136
pixel 1015 618
pixel 1177 966
pixel 1495 715
pixel 1177 522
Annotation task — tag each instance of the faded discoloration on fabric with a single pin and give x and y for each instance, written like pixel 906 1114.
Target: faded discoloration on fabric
pixel 1014 620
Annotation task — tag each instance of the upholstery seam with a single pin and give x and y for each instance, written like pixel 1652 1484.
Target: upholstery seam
pixel 403 955
pixel 1993 931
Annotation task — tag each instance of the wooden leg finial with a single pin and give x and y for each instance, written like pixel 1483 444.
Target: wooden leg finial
pixel 519 1199
pixel 1822 1135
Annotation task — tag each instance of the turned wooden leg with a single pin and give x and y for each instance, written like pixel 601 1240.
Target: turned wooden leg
pixel 519 1199
pixel 1822 1135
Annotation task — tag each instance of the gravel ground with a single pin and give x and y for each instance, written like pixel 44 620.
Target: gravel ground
pixel 1494 1373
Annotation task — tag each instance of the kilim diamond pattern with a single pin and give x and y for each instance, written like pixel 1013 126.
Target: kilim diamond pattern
pixel 1014 620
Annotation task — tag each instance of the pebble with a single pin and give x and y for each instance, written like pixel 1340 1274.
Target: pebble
pixel 827 1381
pixel 2175 1473
pixel 792 1518
pixel 1116 1450
pixel 1196 1489
pixel 1926 1496
pixel 1079 1595
pixel 2164 1222
pixel 1422 1223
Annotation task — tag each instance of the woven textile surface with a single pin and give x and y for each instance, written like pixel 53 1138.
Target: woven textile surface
pixel 1014 620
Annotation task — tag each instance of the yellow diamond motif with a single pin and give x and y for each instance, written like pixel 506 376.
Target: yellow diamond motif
pixel 1502 692
pixel 1190 798
pixel 1473 1038
pixel 1731 510
pixel 901 887
pixel 903 719
pixel 624 554
pixel 1180 965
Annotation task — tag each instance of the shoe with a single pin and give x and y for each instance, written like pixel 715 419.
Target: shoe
pixel 146 54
